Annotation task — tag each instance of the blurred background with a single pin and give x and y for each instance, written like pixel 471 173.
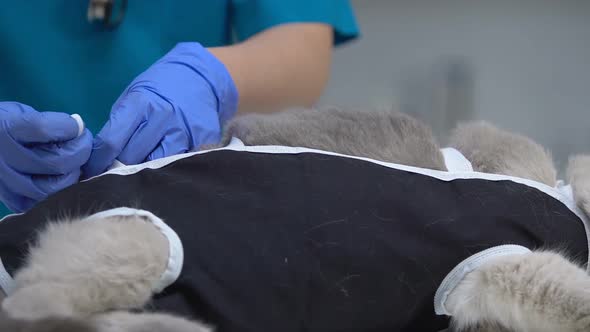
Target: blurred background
pixel 523 65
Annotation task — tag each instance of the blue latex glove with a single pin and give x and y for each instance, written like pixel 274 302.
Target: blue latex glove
pixel 175 106
pixel 40 153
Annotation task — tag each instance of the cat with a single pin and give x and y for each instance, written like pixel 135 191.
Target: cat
pixel 489 299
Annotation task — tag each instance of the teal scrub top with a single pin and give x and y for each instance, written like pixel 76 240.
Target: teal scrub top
pixel 53 59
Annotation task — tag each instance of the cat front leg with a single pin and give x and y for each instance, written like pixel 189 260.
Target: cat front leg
pixel 118 321
pixel 81 267
pixel 145 322
pixel 539 291
pixel 8 324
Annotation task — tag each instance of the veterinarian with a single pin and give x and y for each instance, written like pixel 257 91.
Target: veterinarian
pixel 177 70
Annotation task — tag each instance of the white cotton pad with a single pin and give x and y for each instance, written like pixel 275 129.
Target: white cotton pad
pixel 80 123
pixel 81 127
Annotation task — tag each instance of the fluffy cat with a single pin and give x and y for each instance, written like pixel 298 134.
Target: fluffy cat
pixel 492 298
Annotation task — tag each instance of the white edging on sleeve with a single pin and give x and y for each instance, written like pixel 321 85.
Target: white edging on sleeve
pixel 452 280
pixel 6 281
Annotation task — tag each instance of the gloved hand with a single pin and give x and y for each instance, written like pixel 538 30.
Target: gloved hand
pixel 175 106
pixel 40 153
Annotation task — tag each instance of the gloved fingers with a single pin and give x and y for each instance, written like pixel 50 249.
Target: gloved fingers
pixel 51 184
pixel 179 141
pixel 213 71
pixel 68 156
pixel 173 143
pixel 145 139
pixel 15 203
pixel 17 189
pixel 205 131
pixel 29 126
pixel 126 116
pixel 50 158
pixel 10 199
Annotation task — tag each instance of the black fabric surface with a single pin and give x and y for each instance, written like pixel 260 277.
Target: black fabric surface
pixel 311 242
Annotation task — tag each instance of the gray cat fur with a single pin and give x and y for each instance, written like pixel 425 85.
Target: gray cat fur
pixel 491 150
pixel 382 135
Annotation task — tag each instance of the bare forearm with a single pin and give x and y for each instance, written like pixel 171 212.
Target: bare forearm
pixel 284 66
